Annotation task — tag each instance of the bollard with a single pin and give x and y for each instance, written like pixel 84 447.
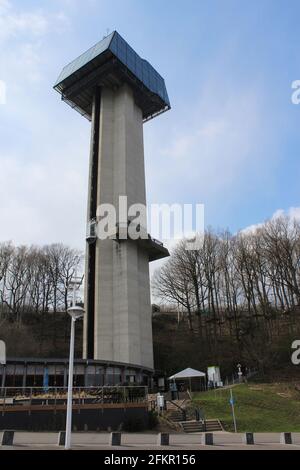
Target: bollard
pixel 207 439
pixel 8 438
pixel 163 439
pixel 61 438
pixel 248 438
pixel 286 438
pixel 115 439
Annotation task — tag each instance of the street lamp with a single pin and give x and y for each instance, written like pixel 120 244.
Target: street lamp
pixel 75 313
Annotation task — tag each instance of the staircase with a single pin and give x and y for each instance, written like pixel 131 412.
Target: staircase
pixel 213 425
pixel 209 425
pixel 175 411
pixel 175 404
pixel 176 416
pixel 184 418
pixel 192 426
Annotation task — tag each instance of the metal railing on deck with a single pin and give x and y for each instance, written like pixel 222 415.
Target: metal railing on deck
pixel 38 396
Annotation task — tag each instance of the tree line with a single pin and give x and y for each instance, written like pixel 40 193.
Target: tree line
pixel 239 292
pixel 245 286
pixel 36 279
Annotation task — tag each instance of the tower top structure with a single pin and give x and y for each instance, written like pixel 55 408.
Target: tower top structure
pixel 111 63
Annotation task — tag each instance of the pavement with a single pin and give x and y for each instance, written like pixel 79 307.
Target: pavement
pixel 147 441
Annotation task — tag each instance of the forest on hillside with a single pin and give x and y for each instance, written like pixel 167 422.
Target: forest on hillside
pixel 236 299
pixel 36 279
pixel 238 294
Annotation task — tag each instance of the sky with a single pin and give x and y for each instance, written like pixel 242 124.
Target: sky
pixel 231 140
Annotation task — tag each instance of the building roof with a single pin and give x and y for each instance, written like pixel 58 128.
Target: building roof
pixel 187 373
pixel 112 62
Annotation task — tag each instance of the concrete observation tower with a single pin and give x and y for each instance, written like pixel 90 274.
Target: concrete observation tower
pixel 117 90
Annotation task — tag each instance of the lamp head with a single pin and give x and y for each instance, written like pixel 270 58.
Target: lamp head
pixel 75 312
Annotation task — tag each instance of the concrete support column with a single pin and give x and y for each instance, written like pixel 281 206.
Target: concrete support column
pixel 122 316
pixel 86 374
pixel 24 376
pixel 3 376
pixel 65 375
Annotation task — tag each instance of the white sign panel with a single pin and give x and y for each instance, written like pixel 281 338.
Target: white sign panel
pixel 213 374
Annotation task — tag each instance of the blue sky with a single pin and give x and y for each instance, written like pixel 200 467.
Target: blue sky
pixel 231 140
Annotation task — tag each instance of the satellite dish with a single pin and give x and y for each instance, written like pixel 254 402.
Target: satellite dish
pixel 2 352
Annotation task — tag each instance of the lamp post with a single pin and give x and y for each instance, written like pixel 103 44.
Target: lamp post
pixel 75 313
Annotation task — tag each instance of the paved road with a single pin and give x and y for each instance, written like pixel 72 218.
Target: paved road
pixel 144 441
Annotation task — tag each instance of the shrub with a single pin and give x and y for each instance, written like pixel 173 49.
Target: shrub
pixel 152 419
pixel 133 424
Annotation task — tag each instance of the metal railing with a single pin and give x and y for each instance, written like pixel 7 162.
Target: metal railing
pixel 39 396
pixel 236 379
pixel 178 407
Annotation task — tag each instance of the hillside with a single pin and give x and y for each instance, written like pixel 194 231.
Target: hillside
pixel 175 345
pixel 45 335
pixel 258 407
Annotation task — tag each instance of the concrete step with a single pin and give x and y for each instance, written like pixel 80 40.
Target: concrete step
pixel 174 405
pixel 196 426
pixel 176 419
pixel 192 426
pixel 175 416
pixel 213 425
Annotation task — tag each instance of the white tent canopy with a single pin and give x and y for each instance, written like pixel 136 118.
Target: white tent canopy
pixel 187 374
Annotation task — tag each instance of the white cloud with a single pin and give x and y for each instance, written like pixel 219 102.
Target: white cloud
pixel 217 144
pixel 294 213
pixel 211 149
pixel 43 174
pixel 22 37
pixel 45 201
pixel 291 212
pixel 252 228
pixel 14 22
pixel 4 5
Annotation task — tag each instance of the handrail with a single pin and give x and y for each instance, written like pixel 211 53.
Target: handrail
pixel 176 404
pixel 183 410
pixel 39 396
pixel 53 387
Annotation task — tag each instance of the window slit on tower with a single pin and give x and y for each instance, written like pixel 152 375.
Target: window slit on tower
pixel 91 248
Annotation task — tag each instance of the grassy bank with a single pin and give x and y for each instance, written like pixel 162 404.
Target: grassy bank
pixel 258 407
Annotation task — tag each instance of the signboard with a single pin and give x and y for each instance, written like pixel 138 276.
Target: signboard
pixel 213 374
pixel 2 352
